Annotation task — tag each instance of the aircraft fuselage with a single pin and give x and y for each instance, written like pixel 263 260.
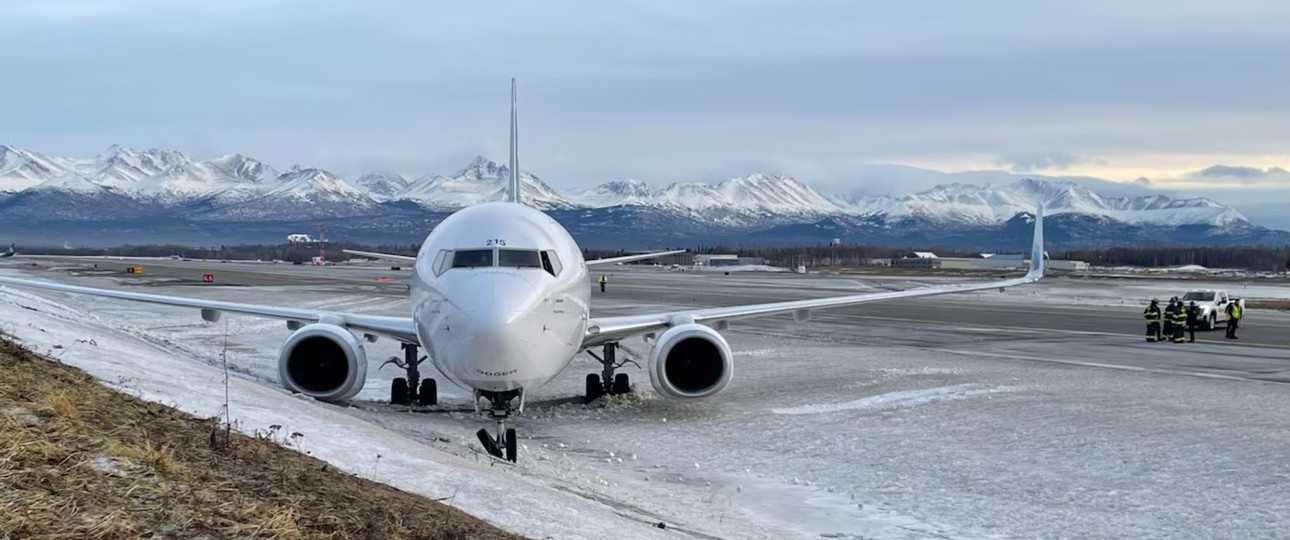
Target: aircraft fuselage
pixel 500 297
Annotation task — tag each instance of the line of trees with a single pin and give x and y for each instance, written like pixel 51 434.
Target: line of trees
pixel 1249 258
pixel 1262 259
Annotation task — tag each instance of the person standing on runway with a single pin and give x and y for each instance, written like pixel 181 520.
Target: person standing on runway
pixel 1180 323
pixel 1152 315
pixel 1169 319
pixel 1233 318
pixel 1193 318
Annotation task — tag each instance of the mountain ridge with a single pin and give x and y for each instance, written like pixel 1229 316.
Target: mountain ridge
pixel 168 186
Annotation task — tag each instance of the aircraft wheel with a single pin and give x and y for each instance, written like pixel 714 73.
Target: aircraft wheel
pixel 594 388
pixel 622 384
pixel 399 391
pixel 512 446
pixel 429 392
pixel 489 444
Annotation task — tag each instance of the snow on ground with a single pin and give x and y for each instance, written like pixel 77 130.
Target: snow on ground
pixel 156 369
pixel 816 437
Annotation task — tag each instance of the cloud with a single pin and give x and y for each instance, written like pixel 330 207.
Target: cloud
pixel 664 90
pixel 1142 181
pixel 1259 181
pixel 1226 171
pixel 1040 161
pixel 65 12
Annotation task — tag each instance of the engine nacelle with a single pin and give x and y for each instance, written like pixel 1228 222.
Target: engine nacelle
pixel 690 361
pixel 323 361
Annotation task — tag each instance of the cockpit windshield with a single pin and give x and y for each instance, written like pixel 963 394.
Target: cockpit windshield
pixel 472 258
pixel 503 258
pixel 518 258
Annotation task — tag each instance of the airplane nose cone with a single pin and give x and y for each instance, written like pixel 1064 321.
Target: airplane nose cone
pixel 493 326
pixel 492 306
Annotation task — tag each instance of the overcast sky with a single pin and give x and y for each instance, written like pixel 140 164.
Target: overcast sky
pixel 671 90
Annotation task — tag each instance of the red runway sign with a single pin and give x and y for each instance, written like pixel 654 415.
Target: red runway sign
pixel 208 278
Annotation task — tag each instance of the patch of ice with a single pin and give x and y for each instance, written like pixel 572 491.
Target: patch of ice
pixel 905 398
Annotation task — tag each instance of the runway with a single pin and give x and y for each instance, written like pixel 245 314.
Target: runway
pixel 1040 330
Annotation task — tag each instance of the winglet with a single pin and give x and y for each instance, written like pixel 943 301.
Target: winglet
pixel 1037 247
pixel 515 151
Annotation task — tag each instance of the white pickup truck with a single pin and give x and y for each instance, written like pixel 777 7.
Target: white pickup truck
pixel 1213 306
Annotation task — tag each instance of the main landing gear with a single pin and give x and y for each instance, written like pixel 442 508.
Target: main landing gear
pixel 404 391
pixel 607 383
pixel 504 445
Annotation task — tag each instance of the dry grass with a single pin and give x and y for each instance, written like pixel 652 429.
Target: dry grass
pixel 1267 303
pixel 80 461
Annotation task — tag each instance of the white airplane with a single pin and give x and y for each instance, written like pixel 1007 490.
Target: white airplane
pixel 9 253
pixel 501 302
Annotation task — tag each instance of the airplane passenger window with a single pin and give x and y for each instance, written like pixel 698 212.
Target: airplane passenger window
pixel 472 258
pixel 518 258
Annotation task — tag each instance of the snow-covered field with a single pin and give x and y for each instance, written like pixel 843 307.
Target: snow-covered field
pixel 815 438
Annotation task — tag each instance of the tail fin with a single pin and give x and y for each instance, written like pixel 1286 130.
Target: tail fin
pixel 1037 247
pixel 515 150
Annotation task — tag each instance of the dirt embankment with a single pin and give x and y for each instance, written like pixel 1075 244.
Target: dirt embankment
pixel 81 461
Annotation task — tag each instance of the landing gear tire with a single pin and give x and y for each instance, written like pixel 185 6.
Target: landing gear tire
pixel 404 391
pixel 512 446
pixel 490 445
pixel 595 388
pixel 622 384
pixel 504 444
pixel 399 392
pixel 429 393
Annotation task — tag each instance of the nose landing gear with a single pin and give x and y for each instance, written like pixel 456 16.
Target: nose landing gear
pixel 607 382
pixel 505 445
pixel 405 391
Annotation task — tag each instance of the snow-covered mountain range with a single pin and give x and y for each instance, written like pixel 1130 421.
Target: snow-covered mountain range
pixel 123 183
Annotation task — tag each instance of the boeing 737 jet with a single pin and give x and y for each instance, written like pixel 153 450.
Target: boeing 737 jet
pixel 501 305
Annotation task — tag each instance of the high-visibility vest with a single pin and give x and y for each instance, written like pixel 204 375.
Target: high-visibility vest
pixel 1236 311
pixel 604 278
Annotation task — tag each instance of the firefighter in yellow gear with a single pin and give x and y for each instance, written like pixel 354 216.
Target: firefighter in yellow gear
pixel 1152 315
pixel 603 280
pixel 1168 320
pixel 1180 323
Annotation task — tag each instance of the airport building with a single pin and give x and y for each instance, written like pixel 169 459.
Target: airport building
pixel 986 261
pixel 716 259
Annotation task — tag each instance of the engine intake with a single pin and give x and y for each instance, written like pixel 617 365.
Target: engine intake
pixel 323 361
pixel 690 361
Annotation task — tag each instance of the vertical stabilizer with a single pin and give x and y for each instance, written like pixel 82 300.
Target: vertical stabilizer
pixel 1037 252
pixel 515 149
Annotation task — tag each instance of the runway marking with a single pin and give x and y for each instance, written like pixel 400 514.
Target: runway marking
pixel 904 398
pixel 1079 363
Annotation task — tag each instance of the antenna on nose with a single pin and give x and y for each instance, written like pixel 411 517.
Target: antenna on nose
pixel 515 148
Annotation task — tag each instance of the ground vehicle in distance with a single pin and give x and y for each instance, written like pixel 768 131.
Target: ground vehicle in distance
pixel 1213 306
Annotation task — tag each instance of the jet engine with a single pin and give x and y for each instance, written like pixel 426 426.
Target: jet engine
pixel 323 361
pixel 690 361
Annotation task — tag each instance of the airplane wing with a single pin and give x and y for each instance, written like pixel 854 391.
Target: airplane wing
pixel 400 328
pixel 629 258
pixel 610 329
pixel 388 257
